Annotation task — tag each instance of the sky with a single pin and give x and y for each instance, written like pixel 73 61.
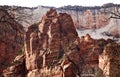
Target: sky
pixel 57 3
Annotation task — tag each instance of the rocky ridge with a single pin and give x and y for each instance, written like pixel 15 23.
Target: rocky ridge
pixel 52 48
pixel 57 36
pixel 11 39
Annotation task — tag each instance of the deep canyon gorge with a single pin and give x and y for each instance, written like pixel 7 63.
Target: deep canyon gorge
pixel 70 41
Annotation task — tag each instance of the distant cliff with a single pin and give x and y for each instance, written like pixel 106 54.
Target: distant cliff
pixel 95 19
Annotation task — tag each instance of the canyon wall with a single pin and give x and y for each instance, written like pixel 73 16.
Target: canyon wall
pixel 11 39
pixel 52 48
pixel 109 60
pixel 95 20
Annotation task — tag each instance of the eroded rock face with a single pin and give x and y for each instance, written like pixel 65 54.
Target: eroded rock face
pixel 11 39
pixel 53 49
pixel 109 60
pixel 51 45
pixel 17 68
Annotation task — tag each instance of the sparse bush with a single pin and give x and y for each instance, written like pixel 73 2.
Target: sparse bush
pixel 19 52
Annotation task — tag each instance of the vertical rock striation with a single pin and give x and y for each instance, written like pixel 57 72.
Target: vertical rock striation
pixel 52 47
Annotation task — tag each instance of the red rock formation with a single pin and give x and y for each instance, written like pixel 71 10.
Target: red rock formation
pixel 89 54
pixel 51 46
pixel 17 68
pixel 11 39
pixel 53 49
pixel 109 60
pixel 93 56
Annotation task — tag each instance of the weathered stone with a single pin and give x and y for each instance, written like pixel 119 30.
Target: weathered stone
pixel 17 68
pixel 11 39
pixel 109 60
pixel 53 49
pixel 48 43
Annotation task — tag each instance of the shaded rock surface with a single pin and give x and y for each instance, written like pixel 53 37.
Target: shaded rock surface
pixel 93 58
pixel 109 60
pixel 11 39
pixel 17 68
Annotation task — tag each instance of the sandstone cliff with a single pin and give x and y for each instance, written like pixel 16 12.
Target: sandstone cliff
pixel 109 60
pixel 49 46
pixel 11 39
pixel 52 48
pixel 95 21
